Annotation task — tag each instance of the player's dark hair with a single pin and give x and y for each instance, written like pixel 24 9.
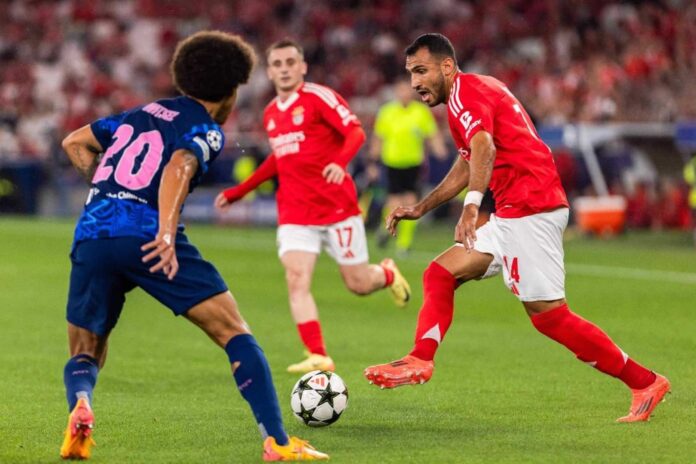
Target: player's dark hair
pixel 284 43
pixel 210 65
pixel 437 44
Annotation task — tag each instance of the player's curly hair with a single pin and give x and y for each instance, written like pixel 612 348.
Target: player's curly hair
pixel 210 65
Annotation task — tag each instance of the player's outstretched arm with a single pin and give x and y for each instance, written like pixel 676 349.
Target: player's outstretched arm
pixel 265 171
pixel 83 150
pixel 454 182
pixel 481 169
pixel 335 172
pixel 173 190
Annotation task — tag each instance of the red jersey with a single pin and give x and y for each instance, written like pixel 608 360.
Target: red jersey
pixel 524 180
pixel 306 132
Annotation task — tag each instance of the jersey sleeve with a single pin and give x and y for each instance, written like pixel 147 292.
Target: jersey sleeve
pixel 333 108
pixel 104 128
pixel 476 113
pixel 205 141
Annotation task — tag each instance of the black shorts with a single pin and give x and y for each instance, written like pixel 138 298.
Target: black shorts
pixel 403 180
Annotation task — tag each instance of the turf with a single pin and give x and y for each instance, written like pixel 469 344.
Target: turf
pixel 501 392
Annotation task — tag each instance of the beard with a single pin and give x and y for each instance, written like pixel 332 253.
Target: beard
pixel 438 91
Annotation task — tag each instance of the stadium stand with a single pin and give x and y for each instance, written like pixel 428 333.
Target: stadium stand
pixel 63 63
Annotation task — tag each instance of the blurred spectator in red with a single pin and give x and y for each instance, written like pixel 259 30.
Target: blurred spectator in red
pixel 640 206
pixel 567 167
pixel 672 209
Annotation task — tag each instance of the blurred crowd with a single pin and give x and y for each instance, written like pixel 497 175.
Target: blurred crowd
pixel 64 63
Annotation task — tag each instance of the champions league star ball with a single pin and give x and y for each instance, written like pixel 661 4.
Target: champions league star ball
pixel 319 398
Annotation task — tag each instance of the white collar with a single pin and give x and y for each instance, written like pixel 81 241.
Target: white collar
pixel 282 106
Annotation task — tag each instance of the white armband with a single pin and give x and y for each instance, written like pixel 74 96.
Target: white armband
pixel 473 197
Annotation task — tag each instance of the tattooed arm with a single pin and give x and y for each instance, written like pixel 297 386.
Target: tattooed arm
pixel 83 149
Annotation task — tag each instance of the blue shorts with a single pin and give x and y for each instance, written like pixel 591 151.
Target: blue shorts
pixel 104 270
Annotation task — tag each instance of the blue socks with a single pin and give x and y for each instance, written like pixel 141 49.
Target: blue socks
pixel 80 376
pixel 254 380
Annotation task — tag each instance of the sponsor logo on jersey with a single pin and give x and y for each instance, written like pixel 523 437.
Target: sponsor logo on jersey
pixel 287 144
pixel 464 153
pixel 214 139
pixel 471 127
pixel 124 195
pixel 92 193
pixel 271 125
pixel 298 115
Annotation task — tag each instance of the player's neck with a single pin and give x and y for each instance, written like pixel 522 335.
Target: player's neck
pixel 449 83
pixel 285 94
pixel 210 107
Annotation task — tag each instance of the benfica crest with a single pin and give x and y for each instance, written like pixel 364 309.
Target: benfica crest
pixel 298 115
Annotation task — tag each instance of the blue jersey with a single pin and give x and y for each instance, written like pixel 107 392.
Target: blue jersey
pixel 138 144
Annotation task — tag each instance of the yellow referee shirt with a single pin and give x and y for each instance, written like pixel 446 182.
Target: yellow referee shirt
pixel 403 131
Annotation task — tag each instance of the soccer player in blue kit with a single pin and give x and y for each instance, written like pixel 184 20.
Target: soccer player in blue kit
pixel 142 164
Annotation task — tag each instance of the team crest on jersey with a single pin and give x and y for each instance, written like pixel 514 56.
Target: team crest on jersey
pixel 270 126
pixel 214 139
pixel 298 115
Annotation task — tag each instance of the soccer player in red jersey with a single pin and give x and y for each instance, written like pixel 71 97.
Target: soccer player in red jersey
pixel 500 148
pixel 314 135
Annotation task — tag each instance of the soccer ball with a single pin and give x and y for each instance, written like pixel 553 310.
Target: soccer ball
pixel 319 398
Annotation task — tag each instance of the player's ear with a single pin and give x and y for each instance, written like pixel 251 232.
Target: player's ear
pixel 448 66
pixel 304 68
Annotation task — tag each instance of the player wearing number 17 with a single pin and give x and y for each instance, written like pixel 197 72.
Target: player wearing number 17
pixel 499 148
pixel 314 135
pixel 129 236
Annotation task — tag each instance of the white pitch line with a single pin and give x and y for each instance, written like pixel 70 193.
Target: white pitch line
pixel 580 269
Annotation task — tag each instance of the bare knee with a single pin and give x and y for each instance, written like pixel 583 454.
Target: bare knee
pixel 219 318
pixel 298 280
pixel 537 307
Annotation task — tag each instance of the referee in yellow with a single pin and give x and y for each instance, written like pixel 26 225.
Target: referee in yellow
pixel 690 178
pixel 401 129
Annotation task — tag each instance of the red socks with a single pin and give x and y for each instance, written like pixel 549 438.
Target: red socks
pixel 436 313
pixel 310 333
pixel 591 345
pixel 388 276
pixel 636 376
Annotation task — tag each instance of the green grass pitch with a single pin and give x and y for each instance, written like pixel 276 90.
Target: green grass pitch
pixel 501 392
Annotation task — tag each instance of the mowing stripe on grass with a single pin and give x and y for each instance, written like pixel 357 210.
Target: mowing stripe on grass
pixel 589 270
pixel 632 273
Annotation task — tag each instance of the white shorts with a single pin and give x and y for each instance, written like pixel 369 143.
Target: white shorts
pixel 529 251
pixel 344 241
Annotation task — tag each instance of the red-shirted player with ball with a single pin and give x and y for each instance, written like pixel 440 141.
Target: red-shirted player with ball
pixel 499 148
pixel 314 135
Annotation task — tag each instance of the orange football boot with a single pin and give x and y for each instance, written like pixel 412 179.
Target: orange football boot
pixel 646 399
pixel 78 435
pixel 295 450
pixel 408 370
